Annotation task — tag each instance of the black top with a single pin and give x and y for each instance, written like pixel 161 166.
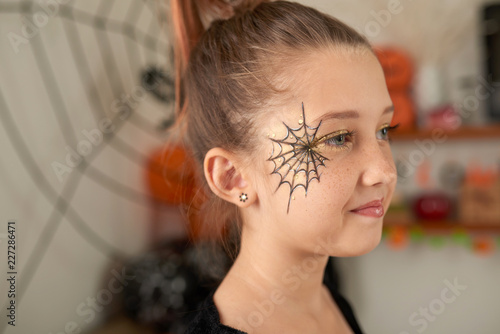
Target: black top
pixel 207 321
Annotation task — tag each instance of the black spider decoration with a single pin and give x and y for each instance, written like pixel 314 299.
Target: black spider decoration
pixel 300 158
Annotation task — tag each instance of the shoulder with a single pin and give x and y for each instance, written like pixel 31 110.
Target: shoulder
pixel 207 320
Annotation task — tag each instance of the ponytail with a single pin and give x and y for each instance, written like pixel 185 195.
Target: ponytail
pixel 190 19
pixel 188 29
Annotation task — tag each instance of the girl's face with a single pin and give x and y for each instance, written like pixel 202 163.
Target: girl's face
pixel 343 161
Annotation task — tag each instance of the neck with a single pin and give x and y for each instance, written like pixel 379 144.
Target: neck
pixel 272 267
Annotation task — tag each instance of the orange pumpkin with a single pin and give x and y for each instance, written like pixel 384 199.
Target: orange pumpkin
pixel 404 111
pixel 397 66
pixel 171 179
pixel 398 72
pixel 170 175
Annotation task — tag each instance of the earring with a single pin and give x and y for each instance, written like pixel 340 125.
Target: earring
pixel 243 197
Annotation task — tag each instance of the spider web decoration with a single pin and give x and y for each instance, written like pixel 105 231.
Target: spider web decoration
pixel 300 157
pixel 88 61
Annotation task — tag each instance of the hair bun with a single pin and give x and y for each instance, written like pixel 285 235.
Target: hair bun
pixel 241 6
pixel 213 10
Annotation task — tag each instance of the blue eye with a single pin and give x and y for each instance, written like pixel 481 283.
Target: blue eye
pixel 385 133
pixel 386 130
pixel 339 141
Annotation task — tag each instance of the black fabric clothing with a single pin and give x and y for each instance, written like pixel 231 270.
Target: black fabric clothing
pixel 207 321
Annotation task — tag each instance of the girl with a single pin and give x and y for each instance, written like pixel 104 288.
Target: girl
pixel 286 111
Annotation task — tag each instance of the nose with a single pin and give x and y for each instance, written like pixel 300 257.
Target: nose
pixel 378 166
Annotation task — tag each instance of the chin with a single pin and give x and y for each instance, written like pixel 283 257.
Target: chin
pixel 361 246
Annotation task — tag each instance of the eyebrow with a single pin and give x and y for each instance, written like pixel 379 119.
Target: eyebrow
pixel 347 114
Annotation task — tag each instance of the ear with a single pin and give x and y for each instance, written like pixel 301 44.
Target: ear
pixel 226 178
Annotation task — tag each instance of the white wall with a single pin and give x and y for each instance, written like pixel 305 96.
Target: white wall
pixel 390 290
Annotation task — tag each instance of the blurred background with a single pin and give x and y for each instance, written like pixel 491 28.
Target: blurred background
pixel 90 192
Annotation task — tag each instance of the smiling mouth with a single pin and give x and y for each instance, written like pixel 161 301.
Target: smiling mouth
pixel 371 209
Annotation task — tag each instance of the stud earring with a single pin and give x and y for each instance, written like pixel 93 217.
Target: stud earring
pixel 243 197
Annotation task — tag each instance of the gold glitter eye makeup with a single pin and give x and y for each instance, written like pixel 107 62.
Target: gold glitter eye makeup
pixel 386 130
pixel 337 139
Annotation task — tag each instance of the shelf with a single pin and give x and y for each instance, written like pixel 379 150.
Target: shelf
pixel 465 132
pixel 445 226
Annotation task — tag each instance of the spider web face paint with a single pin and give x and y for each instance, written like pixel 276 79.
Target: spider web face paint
pixel 297 155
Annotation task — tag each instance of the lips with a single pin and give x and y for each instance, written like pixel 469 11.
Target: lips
pixel 371 209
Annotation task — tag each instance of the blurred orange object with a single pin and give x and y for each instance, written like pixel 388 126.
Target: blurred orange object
pixel 423 175
pixel 171 180
pixel 170 175
pixel 398 237
pixel 483 246
pixel 398 72
pixel 404 112
pixel 479 197
pixel 397 66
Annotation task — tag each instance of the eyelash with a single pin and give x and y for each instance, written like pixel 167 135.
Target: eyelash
pixel 331 141
pixel 351 135
pixel 389 130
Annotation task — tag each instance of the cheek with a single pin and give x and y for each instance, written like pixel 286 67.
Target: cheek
pixel 326 197
pixel 319 218
pixel 337 186
pixel 326 200
pixel 339 179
